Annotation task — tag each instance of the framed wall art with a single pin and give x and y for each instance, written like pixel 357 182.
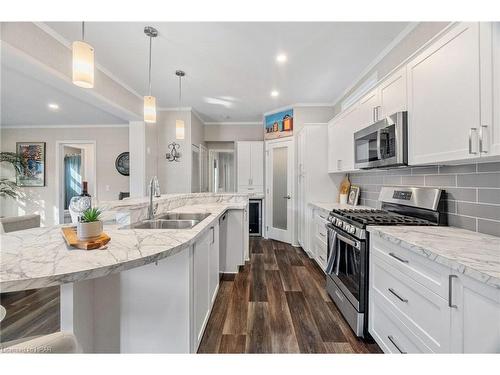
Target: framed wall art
pixel 33 154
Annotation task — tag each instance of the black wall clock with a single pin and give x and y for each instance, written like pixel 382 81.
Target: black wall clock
pixel 122 164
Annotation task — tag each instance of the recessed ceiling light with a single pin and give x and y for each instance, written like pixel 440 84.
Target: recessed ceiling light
pixel 53 106
pixel 274 93
pixel 281 58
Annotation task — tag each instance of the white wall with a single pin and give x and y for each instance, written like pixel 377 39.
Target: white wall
pixel 233 132
pixel 110 142
pixel 174 177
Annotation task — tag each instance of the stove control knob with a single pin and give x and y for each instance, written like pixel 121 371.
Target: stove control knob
pixel 352 230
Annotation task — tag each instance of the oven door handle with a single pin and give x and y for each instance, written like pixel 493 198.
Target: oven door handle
pixel 348 241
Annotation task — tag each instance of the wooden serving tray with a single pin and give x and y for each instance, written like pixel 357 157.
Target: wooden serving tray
pixel 69 234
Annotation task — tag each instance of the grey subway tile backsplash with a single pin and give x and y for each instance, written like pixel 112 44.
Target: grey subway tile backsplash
pixel 489 167
pixel 471 191
pixel 488 227
pixel 487 180
pixel 465 168
pixel 489 196
pixel 440 180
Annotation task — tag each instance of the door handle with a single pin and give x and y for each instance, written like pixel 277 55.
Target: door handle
pixel 450 291
pixel 398 258
pixel 379 141
pixel 287 196
pixel 396 345
pixel 481 151
pixel 471 130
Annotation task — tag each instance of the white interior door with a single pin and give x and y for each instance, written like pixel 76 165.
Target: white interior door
pixel 279 191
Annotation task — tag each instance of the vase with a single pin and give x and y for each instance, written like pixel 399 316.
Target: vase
pixel 88 231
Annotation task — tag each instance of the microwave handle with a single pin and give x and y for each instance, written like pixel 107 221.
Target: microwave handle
pixel 379 139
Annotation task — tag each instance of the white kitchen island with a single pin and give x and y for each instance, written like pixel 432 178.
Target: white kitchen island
pixel 149 290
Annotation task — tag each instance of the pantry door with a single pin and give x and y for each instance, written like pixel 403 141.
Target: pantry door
pixel 279 189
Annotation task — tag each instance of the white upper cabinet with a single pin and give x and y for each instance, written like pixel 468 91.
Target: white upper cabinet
pixel 392 95
pixel 444 98
pixel 250 166
pixel 367 111
pixel 492 137
pixel 341 140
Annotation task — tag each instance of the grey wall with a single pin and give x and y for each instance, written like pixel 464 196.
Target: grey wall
pixel 472 191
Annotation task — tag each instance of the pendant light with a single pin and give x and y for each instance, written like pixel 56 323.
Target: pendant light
pixel 150 101
pixel 179 124
pixel 83 62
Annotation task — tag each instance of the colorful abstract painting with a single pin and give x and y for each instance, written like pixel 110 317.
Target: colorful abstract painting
pixel 34 155
pixel 278 125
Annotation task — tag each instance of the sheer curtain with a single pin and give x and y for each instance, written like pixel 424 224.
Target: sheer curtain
pixel 72 177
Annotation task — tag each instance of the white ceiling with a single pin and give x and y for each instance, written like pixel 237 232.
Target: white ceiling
pixel 27 88
pixel 231 67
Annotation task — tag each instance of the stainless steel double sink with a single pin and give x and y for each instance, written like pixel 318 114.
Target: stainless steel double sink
pixel 170 220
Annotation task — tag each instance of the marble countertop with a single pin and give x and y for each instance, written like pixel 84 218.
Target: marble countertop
pixel 39 257
pixel 473 254
pixel 328 206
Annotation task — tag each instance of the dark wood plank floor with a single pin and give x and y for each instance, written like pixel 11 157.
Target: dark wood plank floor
pixel 30 313
pixel 278 303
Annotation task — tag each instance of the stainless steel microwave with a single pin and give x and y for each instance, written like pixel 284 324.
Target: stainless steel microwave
pixel 383 144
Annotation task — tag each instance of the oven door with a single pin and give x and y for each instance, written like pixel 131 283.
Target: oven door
pixel 347 266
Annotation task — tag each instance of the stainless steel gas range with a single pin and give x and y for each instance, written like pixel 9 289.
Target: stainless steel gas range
pixel 348 244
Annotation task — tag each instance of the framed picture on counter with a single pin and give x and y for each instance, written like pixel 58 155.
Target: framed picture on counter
pixel 353 197
pixel 33 154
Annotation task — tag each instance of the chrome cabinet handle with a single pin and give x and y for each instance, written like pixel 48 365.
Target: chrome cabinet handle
pixel 287 196
pixel 374 118
pixel 213 234
pixel 450 291
pixel 402 260
pixel 322 234
pixel 481 151
pixel 397 295
pixel 471 130
pixel 396 345
pixel 323 217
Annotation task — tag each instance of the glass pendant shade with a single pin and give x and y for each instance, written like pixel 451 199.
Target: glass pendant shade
pixel 83 64
pixel 179 129
pixel 149 109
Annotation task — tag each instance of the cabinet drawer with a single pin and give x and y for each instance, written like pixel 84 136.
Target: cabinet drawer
pixel 428 273
pixel 320 231
pixel 320 250
pixel 250 189
pixel 426 313
pixel 389 332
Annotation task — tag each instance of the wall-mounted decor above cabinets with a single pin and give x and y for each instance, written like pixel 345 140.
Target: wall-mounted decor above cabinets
pixel 278 125
pixel 451 91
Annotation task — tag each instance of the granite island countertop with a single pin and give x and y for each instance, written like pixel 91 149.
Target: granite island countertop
pixel 39 257
pixel 473 254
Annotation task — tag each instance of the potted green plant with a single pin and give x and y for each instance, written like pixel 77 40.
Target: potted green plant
pixel 89 226
pixel 8 186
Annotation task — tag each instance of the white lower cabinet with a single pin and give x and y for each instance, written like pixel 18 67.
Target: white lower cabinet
pixel 201 298
pixel 418 306
pixel 319 240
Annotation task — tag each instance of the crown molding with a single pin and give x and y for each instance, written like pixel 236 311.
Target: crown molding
pixel 62 126
pixel 296 105
pixel 241 123
pixel 408 29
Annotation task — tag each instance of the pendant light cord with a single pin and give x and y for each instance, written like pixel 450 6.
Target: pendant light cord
pixel 180 91
pixel 83 31
pixel 150 47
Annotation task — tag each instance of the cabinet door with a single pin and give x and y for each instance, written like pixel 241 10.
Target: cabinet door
pixel 244 163
pixel 214 263
pixel 201 299
pixel 392 95
pixel 367 111
pixel 257 163
pixel 475 316
pixel 494 134
pixel 444 98
pixel 332 146
pixel 349 124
